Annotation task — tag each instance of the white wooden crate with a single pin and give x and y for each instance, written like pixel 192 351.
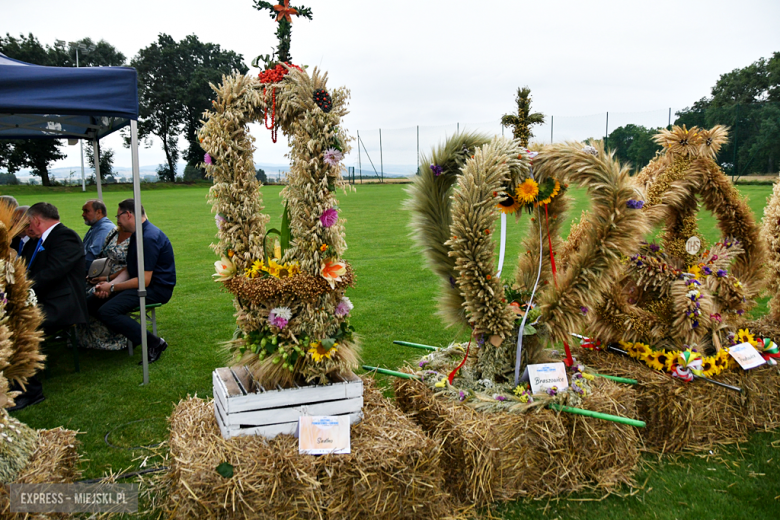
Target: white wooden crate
pixel 269 412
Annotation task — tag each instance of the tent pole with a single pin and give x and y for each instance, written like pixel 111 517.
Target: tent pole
pixel 96 157
pixel 139 243
pixel 83 181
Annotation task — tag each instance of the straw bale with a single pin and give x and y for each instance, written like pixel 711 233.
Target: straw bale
pixel 693 416
pixel 55 461
pixel 393 471
pixel 491 457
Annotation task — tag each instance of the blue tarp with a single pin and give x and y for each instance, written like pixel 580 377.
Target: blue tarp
pixel 65 102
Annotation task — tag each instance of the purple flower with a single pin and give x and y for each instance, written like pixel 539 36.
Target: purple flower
pixel 722 273
pixel 436 169
pixel 635 204
pixel 577 389
pixel 452 282
pixel 344 306
pixel 654 248
pixel 740 312
pixel 707 270
pixel 639 263
pixel 207 159
pixel 220 220
pixel 461 395
pixel 423 363
pixel 329 217
pixel 583 310
pixel 695 324
pixel 499 397
pixel 552 391
pixel 332 156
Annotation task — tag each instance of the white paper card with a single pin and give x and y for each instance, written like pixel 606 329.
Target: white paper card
pixel 318 435
pixel 547 375
pixel 746 355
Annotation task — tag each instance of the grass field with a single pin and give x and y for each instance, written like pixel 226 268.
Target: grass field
pixel 394 299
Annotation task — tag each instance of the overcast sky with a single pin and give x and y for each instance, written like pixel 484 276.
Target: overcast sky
pixel 440 63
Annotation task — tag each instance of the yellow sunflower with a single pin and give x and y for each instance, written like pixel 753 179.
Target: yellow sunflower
pixel 666 360
pixel 708 367
pixel 744 336
pixel 254 270
pixel 527 191
pixel 508 205
pixel 721 361
pixel 695 270
pixel 549 199
pixel 318 351
pixel 658 360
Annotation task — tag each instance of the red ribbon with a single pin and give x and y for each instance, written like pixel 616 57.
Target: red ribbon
pixel 452 374
pixel 569 360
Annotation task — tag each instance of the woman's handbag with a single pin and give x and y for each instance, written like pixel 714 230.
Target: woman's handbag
pixel 100 267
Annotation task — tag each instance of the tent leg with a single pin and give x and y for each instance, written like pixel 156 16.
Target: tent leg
pixel 83 180
pixel 96 150
pixel 139 242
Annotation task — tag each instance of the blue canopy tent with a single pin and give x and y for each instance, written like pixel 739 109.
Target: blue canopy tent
pixel 39 102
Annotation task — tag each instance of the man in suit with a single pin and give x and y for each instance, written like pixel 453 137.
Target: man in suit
pixel 55 264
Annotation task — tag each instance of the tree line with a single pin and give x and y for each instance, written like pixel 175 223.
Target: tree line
pixel 747 100
pixel 173 93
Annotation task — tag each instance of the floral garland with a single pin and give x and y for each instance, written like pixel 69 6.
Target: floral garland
pixel 292 323
pixel 676 362
pixel 488 395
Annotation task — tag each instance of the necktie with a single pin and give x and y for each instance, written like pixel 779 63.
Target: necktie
pixel 38 247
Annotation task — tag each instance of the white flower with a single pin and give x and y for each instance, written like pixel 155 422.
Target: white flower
pixel 225 270
pixel 344 306
pixel 282 312
pixel 591 150
pixel 32 299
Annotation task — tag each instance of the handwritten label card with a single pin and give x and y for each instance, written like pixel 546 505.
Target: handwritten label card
pixel 547 375
pixel 318 435
pixel 746 355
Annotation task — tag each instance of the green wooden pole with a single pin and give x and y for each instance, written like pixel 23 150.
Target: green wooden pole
pixel 567 409
pixel 415 345
pixel 618 379
pixel 390 372
pixel 598 415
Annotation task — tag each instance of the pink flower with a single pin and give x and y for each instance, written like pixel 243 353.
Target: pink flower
pixel 344 306
pixel 279 317
pixel 333 156
pixel 329 217
pixel 207 159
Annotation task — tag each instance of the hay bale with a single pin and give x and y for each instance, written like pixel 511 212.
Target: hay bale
pixel 491 457
pixel 393 471
pixel 55 461
pixel 694 416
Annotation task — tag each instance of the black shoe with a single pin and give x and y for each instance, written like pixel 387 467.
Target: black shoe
pixel 155 352
pixel 23 401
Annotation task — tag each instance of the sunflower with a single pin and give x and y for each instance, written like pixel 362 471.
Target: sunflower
pixel 666 359
pixel 658 360
pixel 508 204
pixel 278 270
pixel 548 191
pixel 708 367
pixel 257 267
pixel 695 270
pixel 744 336
pixel 319 351
pixel 527 191
pixel 721 361
pixel 639 350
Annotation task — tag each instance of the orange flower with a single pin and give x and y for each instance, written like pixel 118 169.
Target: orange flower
pixel 332 270
pixel 285 11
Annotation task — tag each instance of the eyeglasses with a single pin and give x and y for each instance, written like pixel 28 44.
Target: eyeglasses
pixel 120 214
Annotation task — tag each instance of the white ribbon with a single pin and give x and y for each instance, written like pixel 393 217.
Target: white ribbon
pixel 528 307
pixel 502 247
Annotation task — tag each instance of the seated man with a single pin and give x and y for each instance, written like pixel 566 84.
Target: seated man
pixel 94 214
pixel 55 264
pixel 113 300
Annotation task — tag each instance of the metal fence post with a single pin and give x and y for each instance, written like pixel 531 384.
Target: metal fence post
pixel 552 125
pixel 360 166
pixel 381 160
pixel 606 136
pixel 418 151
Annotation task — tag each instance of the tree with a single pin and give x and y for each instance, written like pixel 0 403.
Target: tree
pixel 193 173
pixel 173 81
pixel 522 122
pixel 106 160
pixel 37 154
pixel 260 175
pixel 748 101
pixel 633 144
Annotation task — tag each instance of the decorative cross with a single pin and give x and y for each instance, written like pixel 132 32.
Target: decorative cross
pixel 521 123
pixel 281 13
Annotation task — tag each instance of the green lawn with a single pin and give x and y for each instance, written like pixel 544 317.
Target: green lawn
pixel 394 299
